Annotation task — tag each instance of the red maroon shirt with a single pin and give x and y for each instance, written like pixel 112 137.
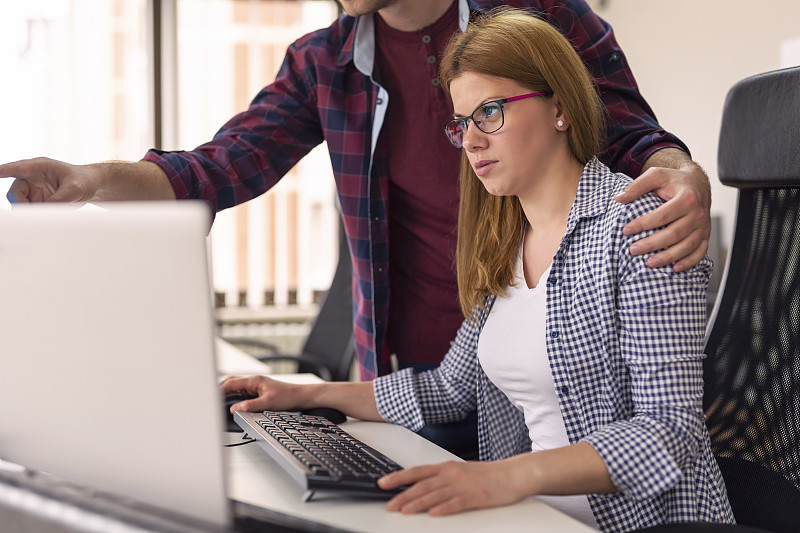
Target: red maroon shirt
pixel 424 313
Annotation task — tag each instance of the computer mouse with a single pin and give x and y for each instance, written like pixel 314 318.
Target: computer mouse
pixel 333 415
pixel 230 399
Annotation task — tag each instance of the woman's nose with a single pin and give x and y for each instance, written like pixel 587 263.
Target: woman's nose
pixel 473 139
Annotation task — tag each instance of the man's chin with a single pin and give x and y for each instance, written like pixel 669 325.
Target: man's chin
pixel 356 8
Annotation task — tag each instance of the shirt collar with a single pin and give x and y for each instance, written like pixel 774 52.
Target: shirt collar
pixel 346 52
pixel 463 14
pixel 594 193
pixel 364 44
pixel 360 44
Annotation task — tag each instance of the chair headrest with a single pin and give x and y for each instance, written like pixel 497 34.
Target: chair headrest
pixel 759 143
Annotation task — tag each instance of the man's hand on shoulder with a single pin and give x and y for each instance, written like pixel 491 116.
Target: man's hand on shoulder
pixel 685 189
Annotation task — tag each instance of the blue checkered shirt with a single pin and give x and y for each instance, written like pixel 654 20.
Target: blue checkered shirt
pixel 625 348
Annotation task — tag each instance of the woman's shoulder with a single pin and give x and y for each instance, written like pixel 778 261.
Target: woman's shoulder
pixel 635 208
pixel 601 185
pixel 619 214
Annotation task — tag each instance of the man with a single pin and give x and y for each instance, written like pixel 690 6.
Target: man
pixel 368 86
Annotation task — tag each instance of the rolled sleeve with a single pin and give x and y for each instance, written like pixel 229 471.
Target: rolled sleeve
pixel 396 399
pixel 444 394
pixel 638 465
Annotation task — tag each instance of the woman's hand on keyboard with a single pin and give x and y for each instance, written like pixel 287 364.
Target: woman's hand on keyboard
pixel 356 399
pixel 453 487
pixel 270 394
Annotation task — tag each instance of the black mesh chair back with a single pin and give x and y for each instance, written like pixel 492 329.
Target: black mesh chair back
pixel 752 370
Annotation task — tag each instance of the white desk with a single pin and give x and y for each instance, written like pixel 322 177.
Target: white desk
pixel 254 478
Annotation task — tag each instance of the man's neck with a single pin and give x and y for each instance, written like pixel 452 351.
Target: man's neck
pixel 413 15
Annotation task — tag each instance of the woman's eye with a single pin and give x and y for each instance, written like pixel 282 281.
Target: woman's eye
pixel 490 111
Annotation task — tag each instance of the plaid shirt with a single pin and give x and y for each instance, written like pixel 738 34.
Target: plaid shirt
pixel 625 348
pixel 326 91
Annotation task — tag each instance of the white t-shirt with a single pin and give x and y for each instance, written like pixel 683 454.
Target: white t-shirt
pixel 512 351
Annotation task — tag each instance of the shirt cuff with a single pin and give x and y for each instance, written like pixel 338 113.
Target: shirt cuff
pixel 637 465
pixel 396 399
pixel 171 164
pixel 637 161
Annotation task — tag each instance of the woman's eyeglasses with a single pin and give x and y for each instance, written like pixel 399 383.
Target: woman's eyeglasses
pixel 488 117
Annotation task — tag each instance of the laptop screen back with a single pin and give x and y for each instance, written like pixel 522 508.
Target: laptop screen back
pixel 107 373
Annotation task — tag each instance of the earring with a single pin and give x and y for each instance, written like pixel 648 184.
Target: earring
pixel 560 123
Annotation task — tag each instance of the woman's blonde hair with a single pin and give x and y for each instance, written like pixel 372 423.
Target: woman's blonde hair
pixel 513 44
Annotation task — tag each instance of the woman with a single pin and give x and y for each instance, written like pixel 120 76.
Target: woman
pixel 584 364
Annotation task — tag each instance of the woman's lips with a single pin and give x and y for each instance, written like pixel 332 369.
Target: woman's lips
pixel 484 166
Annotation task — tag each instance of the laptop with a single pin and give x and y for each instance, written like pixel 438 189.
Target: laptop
pixel 107 351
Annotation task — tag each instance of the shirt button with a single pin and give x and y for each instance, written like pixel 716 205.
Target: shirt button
pixel 552 280
pixel 614 57
pixel 554 334
pixel 426 39
pixel 431 59
pixel 564 389
pixel 376 219
pixel 435 82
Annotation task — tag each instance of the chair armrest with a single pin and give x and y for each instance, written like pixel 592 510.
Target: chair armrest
pixel 252 343
pixel 272 354
pixel 301 359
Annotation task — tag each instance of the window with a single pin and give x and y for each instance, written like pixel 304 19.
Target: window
pixel 280 248
pixel 75 81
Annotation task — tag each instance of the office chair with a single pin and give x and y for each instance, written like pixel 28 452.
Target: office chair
pixel 752 368
pixel 328 350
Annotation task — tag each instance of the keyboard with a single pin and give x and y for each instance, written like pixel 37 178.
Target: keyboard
pixel 318 454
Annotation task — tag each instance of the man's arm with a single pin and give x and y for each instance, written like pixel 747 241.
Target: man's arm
pixel 47 180
pixel 684 186
pixel 246 157
pixel 257 147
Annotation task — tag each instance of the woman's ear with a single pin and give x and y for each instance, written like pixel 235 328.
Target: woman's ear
pixel 560 120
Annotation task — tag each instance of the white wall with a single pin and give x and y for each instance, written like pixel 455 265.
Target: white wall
pixel 686 54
